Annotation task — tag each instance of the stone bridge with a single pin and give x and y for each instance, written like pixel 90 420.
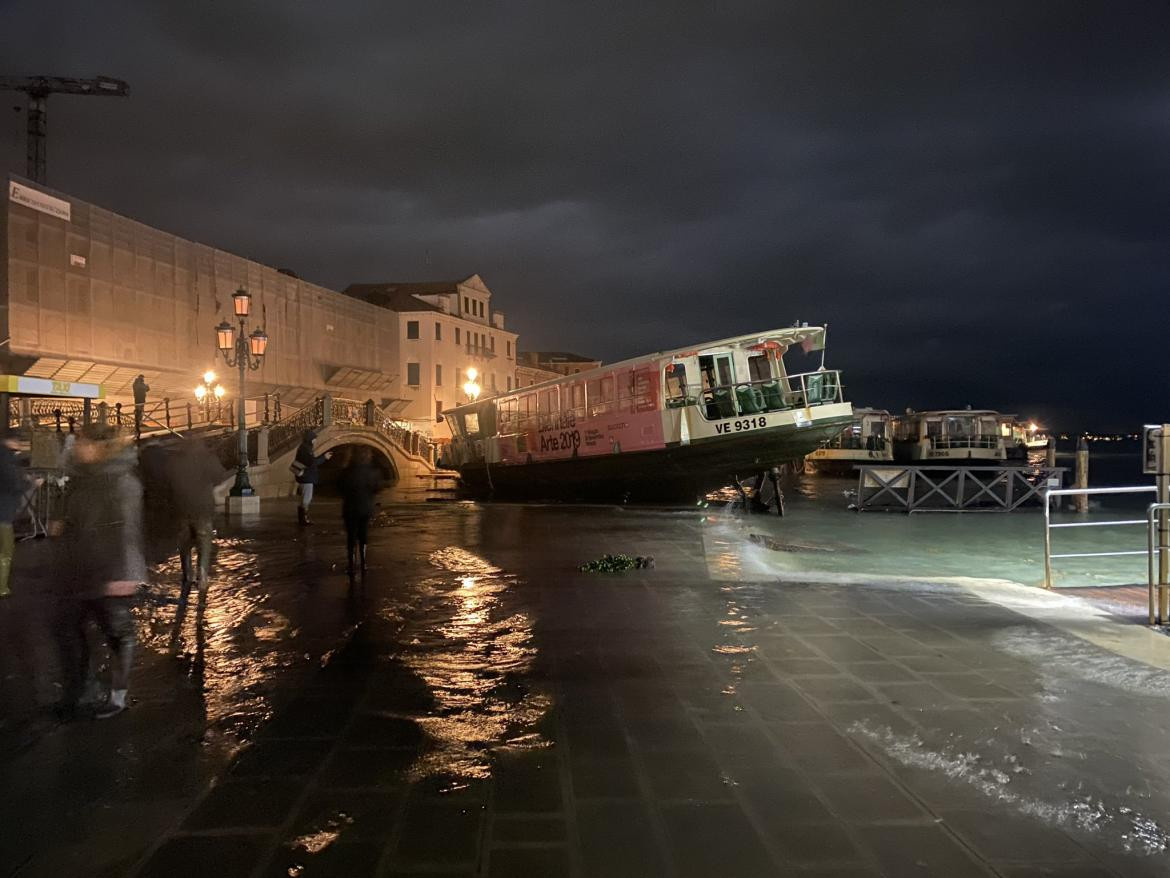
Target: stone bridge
pixel 406 455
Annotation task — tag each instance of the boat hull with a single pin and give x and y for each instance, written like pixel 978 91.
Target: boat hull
pixel 676 473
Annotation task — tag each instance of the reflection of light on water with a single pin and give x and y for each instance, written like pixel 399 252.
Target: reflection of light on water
pixel 317 841
pixel 475 669
pixel 221 646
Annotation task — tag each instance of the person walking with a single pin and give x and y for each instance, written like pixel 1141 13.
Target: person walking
pixel 192 473
pixel 308 472
pixel 359 483
pixel 141 388
pixel 103 564
pixel 13 485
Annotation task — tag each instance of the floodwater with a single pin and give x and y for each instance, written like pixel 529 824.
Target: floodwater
pixel 478 705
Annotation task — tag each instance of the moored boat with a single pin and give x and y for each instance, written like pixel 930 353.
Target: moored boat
pixel 949 436
pixel 670 425
pixel 869 439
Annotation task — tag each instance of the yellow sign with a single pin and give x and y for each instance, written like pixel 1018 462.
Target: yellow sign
pixel 28 386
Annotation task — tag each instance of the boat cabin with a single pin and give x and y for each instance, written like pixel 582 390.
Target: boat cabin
pixel 949 436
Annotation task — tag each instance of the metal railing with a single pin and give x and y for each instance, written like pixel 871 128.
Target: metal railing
pixel 768 395
pixel 1049 556
pixel 896 487
pixel 981 441
pixel 1156 546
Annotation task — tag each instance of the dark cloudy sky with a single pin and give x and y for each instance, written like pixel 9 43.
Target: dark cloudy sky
pixel 973 195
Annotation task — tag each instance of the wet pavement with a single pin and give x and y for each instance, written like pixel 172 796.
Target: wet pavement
pixel 478 706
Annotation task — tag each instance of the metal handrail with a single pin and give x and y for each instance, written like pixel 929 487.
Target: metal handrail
pixel 1072 492
pixel 1158 611
pixel 795 395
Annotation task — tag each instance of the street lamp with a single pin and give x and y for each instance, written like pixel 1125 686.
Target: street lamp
pixel 470 387
pixel 208 390
pixel 243 352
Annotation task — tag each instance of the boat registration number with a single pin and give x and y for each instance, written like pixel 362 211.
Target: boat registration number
pixel 741 425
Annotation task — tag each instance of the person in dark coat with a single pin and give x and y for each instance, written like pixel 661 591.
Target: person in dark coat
pixel 141 388
pixel 103 564
pixel 359 484
pixel 13 485
pixel 308 467
pixel 193 473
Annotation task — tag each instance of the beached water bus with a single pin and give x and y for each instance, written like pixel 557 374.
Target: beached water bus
pixel 950 436
pixel 869 439
pixel 670 425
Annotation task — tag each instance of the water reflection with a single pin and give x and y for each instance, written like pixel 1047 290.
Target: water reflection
pixel 475 668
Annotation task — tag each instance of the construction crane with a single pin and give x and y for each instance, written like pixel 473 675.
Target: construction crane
pixel 38 89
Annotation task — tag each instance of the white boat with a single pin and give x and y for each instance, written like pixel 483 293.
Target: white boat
pixel 668 425
pixel 869 439
pixel 949 436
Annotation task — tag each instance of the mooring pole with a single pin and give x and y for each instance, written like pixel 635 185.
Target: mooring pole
pixel 1050 453
pixel 1082 479
pixel 1163 522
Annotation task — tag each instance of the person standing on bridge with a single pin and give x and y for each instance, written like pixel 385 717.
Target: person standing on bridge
pixel 141 388
pixel 359 483
pixel 307 467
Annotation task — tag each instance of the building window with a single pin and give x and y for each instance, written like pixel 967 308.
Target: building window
pixel 458 378
pixel 412 329
pixel 412 373
pixel 481 311
pixel 438 410
pixel 466 303
pixel 493 380
pixel 438 331
pixel 457 333
pixel 509 382
pixel 509 350
pixel 493 344
pixel 438 375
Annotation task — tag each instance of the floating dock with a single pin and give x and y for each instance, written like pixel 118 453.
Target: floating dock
pixel 899 488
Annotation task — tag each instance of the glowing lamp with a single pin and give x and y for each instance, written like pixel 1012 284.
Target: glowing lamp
pixel 225 337
pixel 242 300
pixel 472 374
pixel 219 391
pixel 200 392
pixel 208 377
pixel 258 342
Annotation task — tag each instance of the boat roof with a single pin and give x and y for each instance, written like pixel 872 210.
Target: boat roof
pixel 786 336
pixel 868 412
pixel 950 413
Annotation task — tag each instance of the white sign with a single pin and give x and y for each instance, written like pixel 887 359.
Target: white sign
pixel 38 200
pixel 77 260
pixel 48 387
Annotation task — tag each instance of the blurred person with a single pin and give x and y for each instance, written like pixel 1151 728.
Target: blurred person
pixel 141 388
pixel 103 565
pixel 193 474
pixel 359 483
pixel 13 494
pixel 308 472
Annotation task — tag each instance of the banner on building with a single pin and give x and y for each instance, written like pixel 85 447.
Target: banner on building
pixel 38 200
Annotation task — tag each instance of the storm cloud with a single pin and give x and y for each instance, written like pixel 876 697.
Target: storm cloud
pixel 973 195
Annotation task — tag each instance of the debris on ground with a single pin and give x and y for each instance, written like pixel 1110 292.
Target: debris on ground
pixel 617 563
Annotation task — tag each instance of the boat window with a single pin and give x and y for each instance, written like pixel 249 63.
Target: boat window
pixel 507 415
pixel 676 385
pixel 760 367
pixel 546 407
pixel 877 428
pixel 934 428
pixel 645 395
pixel 600 392
pixel 524 412
pixel 576 397
pixel 471 422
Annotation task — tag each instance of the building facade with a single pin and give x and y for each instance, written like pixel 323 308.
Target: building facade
pixel 560 362
pixel 443 329
pixel 87 295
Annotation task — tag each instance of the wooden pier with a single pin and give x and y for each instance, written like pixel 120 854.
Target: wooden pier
pixel 901 488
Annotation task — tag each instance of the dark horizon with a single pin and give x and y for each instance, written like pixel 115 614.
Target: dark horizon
pixel 971 196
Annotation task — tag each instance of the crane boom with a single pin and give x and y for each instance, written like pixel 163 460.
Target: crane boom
pixel 38 89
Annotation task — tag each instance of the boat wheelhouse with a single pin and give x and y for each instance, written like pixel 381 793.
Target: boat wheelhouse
pixel 869 439
pixel 949 436
pixel 671 425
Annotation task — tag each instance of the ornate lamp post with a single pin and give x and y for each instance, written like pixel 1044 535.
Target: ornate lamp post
pixel 470 387
pixel 207 391
pixel 244 352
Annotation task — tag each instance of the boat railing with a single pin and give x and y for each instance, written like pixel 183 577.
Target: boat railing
pixel 980 441
pixel 768 395
pixel 848 442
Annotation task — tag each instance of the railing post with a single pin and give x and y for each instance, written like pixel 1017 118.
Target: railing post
pixel 262 446
pixel 86 411
pixel 1047 541
pixel 369 413
pixel 266 407
pixel 118 414
pixel 276 407
pixel 167 409
pixel 327 410
pixel 190 423
pixel 103 412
